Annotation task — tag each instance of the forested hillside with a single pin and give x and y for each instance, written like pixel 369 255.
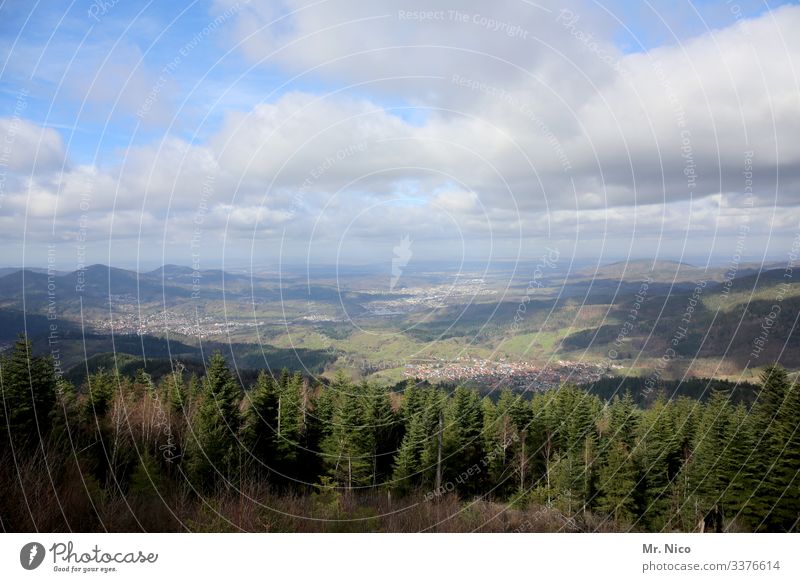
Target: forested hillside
pixel 204 453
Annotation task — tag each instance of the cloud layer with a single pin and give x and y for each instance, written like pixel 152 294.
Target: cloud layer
pixel 473 129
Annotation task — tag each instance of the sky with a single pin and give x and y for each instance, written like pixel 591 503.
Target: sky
pixel 235 133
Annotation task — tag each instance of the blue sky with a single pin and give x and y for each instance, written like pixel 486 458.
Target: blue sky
pixel 122 91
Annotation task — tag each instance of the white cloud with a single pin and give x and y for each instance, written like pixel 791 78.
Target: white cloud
pixel 543 132
pixel 28 148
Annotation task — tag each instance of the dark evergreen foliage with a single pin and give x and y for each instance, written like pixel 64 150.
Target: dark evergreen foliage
pixel 676 465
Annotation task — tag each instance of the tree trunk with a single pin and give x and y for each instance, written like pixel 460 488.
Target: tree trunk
pixel 349 473
pixel 439 455
pixel 279 416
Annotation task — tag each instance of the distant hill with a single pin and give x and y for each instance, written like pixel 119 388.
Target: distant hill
pixel 698 388
pixel 9 270
pixel 189 276
pixel 639 269
pixel 582 319
pixel 667 271
pixel 723 323
pixel 128 365
pixel 13 322
pixel 29 289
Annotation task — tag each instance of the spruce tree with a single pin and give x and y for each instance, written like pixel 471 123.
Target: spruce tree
pixel 100 388
pixel 385 426
pixel 463 447
pixel 214 451
pixel 616 484
pixel 659 455
pixel 260 425
pixel 195 386
pixel 624 420
pixel 28 387
pixel 497 428
pixel 350 447
pixel 545 429
pixel 290 424
pixel 707 474
pixel 778 414
pixel 567 482
pixel 407 465
pixel 416 457
pixel 177 392
pixel 434 407
pixel 744 476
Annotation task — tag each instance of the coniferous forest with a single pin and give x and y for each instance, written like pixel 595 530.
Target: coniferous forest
pixel 205 453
